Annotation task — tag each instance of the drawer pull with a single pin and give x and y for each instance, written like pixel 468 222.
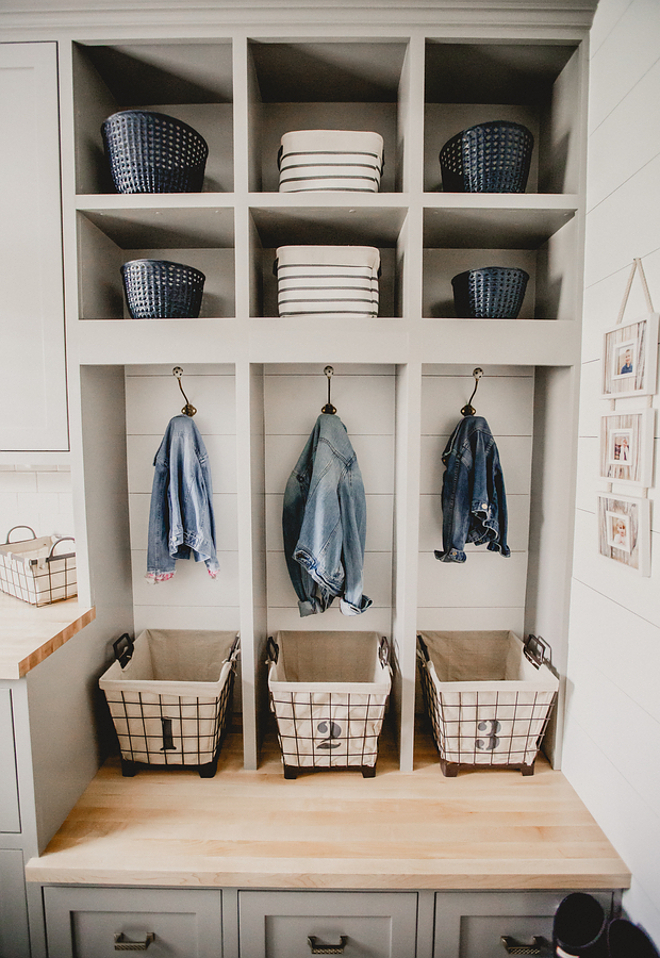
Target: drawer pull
pixel 538 946
pixel 123 944
pixel 320 949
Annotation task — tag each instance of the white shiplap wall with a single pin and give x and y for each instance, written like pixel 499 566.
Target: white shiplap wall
pixel 612 737
pixel 487 591
pixel 365 399
pixel 192 599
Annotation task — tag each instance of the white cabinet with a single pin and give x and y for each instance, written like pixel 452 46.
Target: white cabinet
pixel 166 922
pixel 295 924
pixel 10 820
pixel 14 933
pixel 32 315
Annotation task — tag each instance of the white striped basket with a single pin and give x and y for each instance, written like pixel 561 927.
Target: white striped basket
pixel 319 280
pixel 330 161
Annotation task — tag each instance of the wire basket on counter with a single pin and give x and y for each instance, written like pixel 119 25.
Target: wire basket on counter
pixel 491 292
pixel 168 694
pixel 31 570
pixel 153 153
pixel 328 691
pixel 488 696
pixel 160 289
pixel 490 157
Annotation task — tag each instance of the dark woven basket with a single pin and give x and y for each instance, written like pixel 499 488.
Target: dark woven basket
pixel 158 289
pixel 488 158
pixel 493 292
pixel 153 153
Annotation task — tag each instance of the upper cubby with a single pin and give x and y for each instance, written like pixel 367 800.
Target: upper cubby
pixel 323 85
pixel 491 232
pixel 198 237
pixel 190 81
pixel 533 83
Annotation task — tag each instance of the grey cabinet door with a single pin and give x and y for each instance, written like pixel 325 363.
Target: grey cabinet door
pixel 14 934
pixel 9 815
pixel 291 924
pixel 87 922
pixel 32 323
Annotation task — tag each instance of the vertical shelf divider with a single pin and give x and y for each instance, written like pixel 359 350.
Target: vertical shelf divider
pixel 406 544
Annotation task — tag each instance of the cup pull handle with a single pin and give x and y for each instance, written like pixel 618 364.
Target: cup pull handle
pixel 512 947
pixel 317 948
pixel 123 944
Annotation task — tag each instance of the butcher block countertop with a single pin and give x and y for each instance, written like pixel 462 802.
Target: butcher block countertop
pixel 400 830
pixel 28 635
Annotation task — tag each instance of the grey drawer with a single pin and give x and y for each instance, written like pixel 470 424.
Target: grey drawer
pixel 471 924
pixel 375 925
pixel 82 922
pixel 10 820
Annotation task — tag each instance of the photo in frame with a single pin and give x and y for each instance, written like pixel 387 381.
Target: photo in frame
pixel 630 358
pixel 626 447
pixel 624 531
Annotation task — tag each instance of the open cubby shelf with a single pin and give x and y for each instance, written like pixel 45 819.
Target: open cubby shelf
pixel 400 379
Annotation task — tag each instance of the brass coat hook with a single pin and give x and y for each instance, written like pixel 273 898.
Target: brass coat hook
pixel 188 409
pixel 468 409
pixel 329 408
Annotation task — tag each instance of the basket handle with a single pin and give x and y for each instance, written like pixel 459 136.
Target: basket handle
pixel 384 653
pixel 13 529
pixel 537 651
pixel 123 647
pixel 56 543
pixel 234 650
pixel 422 651
pixel 273 650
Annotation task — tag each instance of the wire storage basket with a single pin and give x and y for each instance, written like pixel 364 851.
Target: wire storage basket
pixel 159 289
pixel 328 691
pixel 330 161
pixel 169 695
pixel 31 569
pixel 153 153
pixel 321 280
pixel 491 292
pixel 490 157
pixel 488 696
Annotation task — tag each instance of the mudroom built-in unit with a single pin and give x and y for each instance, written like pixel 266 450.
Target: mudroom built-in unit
pixel 398 380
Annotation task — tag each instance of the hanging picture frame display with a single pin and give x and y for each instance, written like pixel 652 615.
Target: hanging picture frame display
pixel 630 358
pixel 626 447
pixel 624 531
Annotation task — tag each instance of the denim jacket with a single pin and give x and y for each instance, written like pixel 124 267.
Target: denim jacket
pixel 473 495
pixel 181 518
pixel 324 522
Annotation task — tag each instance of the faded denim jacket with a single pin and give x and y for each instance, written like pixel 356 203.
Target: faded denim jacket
pixel 324 522
pixel 473 495
pixel 181 521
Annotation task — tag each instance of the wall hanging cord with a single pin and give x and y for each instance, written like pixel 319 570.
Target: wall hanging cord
pixel 637 265
pixel 329 408
pixel 468 409
pixel 188 409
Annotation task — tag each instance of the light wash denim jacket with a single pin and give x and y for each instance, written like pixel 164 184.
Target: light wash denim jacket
pixel 324 522
pixel 181 520
pixel 473 494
